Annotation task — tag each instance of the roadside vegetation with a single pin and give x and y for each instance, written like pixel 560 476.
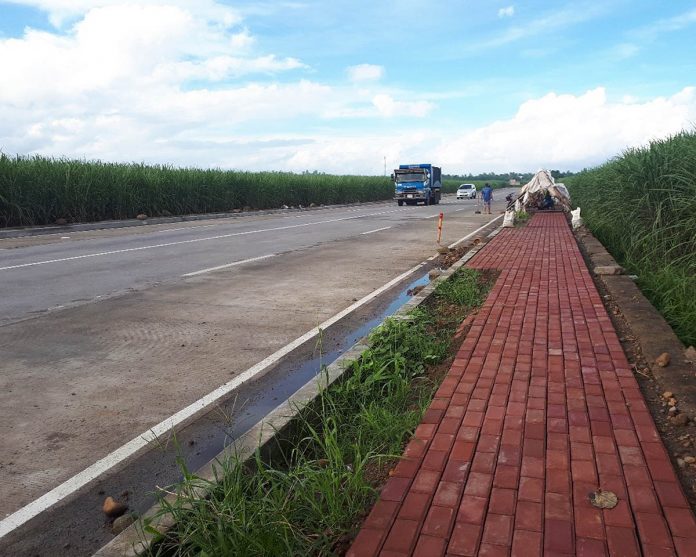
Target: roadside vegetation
pixel 310 495
pixel 642 207
pixel 39 190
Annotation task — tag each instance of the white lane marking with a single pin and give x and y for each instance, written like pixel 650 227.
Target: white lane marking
pixel 375 230
pixel 79 480
pixel 431 216
pixel 194 240
pixel 475 231
pixel 233 264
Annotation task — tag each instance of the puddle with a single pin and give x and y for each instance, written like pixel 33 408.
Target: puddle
pixel 197 443
pixel 279 384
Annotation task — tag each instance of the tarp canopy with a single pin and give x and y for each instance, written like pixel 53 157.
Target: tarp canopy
pixel 533 192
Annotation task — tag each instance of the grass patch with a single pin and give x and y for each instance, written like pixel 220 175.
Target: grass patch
pixel 310 495
pixel 642 207
pixel 521 218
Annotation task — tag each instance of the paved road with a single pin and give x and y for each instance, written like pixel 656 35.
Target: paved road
pixel 85 267
pixel 106 333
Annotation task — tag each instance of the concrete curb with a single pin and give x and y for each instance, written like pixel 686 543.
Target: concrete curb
pixel 652 332
pixel 135 540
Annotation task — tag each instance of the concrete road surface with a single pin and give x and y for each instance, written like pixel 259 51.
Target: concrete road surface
pixel 105 333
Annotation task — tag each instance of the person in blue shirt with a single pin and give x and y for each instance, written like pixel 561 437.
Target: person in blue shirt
pixel 547 203
pixel 487 196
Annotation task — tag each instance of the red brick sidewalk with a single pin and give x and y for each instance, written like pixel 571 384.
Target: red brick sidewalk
pixel 539 409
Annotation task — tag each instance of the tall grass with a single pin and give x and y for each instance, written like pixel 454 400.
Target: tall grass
pixel 309 497
pixel 642 207
pixel 39 190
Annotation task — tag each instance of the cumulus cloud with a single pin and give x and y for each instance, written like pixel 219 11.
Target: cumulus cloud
pixel 568 131
pixel 365 72
pixel 165 83
pixel 127 46
pixel 169 83
pixel 508 11
pixel 554 131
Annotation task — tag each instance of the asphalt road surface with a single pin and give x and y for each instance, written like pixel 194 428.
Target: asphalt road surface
pixel 105 333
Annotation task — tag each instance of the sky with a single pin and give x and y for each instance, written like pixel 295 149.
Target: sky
pixel 345 86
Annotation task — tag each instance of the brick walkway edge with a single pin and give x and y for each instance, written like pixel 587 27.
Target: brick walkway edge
pixel 539 409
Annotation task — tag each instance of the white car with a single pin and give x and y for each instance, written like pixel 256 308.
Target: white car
pixel 466 191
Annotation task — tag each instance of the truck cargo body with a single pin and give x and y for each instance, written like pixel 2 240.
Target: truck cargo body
pixel 414 183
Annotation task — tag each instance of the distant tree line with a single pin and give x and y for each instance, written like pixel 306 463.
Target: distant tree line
pixel 522 177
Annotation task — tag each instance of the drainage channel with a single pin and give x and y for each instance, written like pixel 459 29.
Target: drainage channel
pixel 77 526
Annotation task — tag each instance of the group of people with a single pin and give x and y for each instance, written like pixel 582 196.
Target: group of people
pixel 546 202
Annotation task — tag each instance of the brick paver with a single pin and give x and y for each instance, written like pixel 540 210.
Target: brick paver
pixel 539 409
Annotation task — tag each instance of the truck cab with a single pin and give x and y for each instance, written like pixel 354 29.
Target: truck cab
pixel 414 183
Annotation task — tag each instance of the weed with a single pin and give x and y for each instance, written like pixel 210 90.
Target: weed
pixel 521 217
pixel 308 497
pixel 463 289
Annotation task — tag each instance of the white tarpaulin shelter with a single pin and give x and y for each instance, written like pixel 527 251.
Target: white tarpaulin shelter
pixel 533 192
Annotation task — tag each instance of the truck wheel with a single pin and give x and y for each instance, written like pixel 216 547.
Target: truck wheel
pixel 427 201
pixel 400 202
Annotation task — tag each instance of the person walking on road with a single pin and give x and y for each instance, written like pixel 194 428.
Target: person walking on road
pixel 487 196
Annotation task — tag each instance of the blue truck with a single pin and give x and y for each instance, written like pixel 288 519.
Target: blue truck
pixel 417 182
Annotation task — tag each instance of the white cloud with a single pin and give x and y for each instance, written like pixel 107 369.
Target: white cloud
pixel 129 47
pixel 508 11
pixel 162 83
pixel 554 131
pixel 567 131
pixel 365 72
pixel 387 106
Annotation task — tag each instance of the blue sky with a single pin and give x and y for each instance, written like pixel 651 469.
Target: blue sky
pixel 337 86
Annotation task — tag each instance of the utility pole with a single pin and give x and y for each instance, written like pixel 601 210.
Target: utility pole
pixel 385 165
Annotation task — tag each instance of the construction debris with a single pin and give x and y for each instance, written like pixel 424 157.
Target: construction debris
pixel 542 192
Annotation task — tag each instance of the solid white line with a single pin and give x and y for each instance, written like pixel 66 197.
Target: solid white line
pixel 79 480
pixel 475 231
pixel 233 264
pixel 376 230
pixel 167 244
